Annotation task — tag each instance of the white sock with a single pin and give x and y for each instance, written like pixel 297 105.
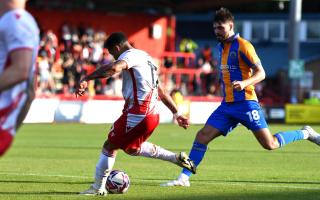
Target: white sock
pixel 104 163
pixel 305 134
pixel 150 150
pixel 183 177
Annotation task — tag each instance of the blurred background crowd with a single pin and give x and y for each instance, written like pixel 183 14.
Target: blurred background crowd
pixel 183 44
pixel 63 59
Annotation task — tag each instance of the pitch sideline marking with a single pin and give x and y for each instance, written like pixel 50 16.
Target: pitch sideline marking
pixel 43 175
pixel 161 181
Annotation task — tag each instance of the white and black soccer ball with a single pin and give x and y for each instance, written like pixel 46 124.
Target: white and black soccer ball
pixel 118 182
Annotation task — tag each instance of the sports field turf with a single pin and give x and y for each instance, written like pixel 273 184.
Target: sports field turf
pixel 57 161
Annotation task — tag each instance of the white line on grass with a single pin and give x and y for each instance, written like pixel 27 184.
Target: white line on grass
pixel 43 175
pixel 270 185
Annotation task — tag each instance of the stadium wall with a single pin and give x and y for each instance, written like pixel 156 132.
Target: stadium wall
pixel 138 27
pixel 101 110
pixel 95 111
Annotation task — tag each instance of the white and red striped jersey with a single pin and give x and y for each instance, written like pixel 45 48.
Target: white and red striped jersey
pixel 18 30
pixel 140 82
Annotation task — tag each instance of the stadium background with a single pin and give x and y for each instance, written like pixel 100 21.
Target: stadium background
pixel 178 34
pixel 57 160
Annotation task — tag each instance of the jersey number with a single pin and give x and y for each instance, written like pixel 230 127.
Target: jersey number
pixel 253 115
pixel 153 72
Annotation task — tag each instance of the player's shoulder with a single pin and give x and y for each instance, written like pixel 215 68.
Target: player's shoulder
pixel 13 15
pixel 244 44
pixel 134 53
pixel 243 41
pixel 17 16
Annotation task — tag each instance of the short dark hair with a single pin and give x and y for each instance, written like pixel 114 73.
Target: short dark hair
pixel 223 15
pixel 116 38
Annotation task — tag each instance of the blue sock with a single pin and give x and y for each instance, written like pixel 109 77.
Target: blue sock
pixel 288 137
pixel 196 154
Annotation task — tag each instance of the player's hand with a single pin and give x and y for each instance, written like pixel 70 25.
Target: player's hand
pixel 81 88
pixel 238 85
pixel 182 121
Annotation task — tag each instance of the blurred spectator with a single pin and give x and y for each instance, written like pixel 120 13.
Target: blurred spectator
pixel 57 76
pixel 182 104
pixel 213 91
pixel 74 35
pixel 114 86
pixel 187 45
pixel 168 62
pixel 44 73
pixel 66 37
pixel 49 44
pixel 81 49
pixel 207 55
pixel 67 79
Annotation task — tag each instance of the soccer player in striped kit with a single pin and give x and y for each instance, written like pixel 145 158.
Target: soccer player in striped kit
pixel 140 117
pixel 19 41
pixel 240 70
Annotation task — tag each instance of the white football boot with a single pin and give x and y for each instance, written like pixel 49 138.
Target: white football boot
pixel 185 162
pixel 90 191
pixel 313 135
pixel 94 191
pixel 179 182
pixel 102 191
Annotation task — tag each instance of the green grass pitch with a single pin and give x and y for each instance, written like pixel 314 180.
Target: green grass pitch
pixel 57 161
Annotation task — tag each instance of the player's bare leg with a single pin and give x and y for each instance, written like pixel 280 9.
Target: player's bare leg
pixel 280 139
pixel 103 169
pixel 150 150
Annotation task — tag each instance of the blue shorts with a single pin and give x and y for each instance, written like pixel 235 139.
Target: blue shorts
pixel 227 116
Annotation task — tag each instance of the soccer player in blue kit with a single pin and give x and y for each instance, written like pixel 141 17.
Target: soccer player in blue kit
pixel 240 70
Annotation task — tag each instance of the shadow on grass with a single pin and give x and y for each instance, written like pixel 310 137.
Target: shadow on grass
pixel 244 195
pixel 178 195
pixel 203 181
pixel 38 193
pixel 257 150
pixel 49 182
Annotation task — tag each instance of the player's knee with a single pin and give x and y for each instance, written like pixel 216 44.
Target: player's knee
pixel 109 149
pixel 203 137
pixel 132 152
pixel 269 146
pixel 109 146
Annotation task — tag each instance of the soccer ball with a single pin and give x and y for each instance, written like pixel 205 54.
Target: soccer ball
pixel 118 182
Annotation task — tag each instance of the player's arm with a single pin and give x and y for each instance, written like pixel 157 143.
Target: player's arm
pixel 19 69
pixel 258 75
pixel 251 58
pixel 24 111
pixel 105 71
pixel 168 101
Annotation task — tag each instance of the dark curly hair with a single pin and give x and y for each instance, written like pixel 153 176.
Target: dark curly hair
pixel 117 38
pixel 223 15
